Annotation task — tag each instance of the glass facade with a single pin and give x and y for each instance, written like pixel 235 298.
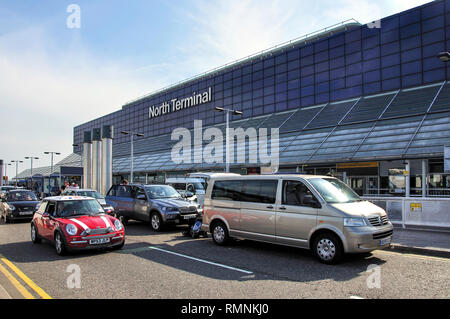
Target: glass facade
pixel 358 62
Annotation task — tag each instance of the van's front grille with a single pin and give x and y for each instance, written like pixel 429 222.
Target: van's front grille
pixel 383 235
pixel 378 221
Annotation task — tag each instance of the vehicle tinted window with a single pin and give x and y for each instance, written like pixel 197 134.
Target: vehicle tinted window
pixel 260 191
pixel 112 191
pixel 294 194
pixel 227 190
pixel 123 191
pixel 21 196
pixel 141 192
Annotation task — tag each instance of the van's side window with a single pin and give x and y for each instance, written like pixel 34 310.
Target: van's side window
pixel 294 193
pixel 260 191
pixel 227 190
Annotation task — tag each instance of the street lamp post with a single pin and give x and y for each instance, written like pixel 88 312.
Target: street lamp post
pixel 6 166
pixel 17 168
pixel 31 158
pixel 227 142
pixel 132 149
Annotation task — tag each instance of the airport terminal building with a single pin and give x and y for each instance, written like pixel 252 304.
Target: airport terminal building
pixel 367 103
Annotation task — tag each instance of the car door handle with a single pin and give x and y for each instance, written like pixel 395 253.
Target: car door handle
pixel 270 206
pixel 283 208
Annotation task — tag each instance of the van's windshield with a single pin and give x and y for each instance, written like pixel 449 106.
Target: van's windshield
pixel 334 191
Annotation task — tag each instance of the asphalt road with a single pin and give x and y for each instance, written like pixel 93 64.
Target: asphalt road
pixel 168 265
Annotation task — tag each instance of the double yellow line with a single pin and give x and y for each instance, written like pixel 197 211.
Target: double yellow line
pixel 23 291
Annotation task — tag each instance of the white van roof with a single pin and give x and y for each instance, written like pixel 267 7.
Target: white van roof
pixel 209 175
pixel 183 180
pixel 270 176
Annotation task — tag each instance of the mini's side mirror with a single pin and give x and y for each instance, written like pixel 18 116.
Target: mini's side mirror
pixel 45 214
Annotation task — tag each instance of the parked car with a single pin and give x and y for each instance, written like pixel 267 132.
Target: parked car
pixel 157 204
pixel 76 223
pixel 320 213
pixel 18 204
pixel 90 193
pixel 190 188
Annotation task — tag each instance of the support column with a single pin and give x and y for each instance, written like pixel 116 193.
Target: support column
pixel 424 178
pixel 87 160
pixel 408 180
pixel 107 136
pixel 97 160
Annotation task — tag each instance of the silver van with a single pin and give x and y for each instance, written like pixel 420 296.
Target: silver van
pixel 320 213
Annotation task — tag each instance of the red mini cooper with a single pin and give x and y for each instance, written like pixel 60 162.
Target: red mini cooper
pixel 74 223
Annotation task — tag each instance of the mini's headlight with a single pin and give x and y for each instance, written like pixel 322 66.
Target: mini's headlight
pixel 118 224
pixel 71 229
pixel 354 222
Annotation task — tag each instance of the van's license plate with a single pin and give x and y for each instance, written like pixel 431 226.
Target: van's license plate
pixel 99 241
pixel 385 241
pixel 189 216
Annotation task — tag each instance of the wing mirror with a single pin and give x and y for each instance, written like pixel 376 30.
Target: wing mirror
pixel 188 194
pixel 141 197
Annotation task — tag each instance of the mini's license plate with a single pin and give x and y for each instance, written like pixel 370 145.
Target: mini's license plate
pixel 189 216
pixel 99 241
pixel 385 241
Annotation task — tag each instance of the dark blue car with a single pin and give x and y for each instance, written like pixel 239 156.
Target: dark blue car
pixel 18 204
pixel 157 204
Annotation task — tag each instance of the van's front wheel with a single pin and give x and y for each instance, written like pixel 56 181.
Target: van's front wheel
pixel 328 248
pixel 219 233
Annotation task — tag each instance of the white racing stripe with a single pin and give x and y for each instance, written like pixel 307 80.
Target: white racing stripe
pixel 79 223
pixel 106 220
pixel 201 260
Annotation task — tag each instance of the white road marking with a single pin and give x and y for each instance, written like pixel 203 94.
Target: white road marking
pixel 201 260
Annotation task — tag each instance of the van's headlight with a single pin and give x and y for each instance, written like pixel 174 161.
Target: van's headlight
pixel 354 222
pixel 118 224
pixel 71 229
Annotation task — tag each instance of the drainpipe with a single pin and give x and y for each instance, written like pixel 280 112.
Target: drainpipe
pixel 408 180
pixel 424 178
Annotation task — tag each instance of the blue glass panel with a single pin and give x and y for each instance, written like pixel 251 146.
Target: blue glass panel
pixel 371 53
pixel 228 76
pixel 269 108
pixel 292 94
pixel 280 87
pixel 268 62
pixel 410 17
pixel 371 42
pixel 432 63
pixel 306 101
pixel 307 60
pixel 354 80
pixel 389 36
pixel 409 30
pixel 308 90
pixel 322 98
pixel 269 81
pixel 247 69
pixel 337 73
pixel 281 68
pixel 372 88
pixel 353 47
pixel 354 68
pixel 257 84
pixel 390 60
pixel 390 48
pixel 293 54
pixel 258 93
pixel 237 73
pixel 237 82
pixel 321 67
pixel 390 23
pixel 293 64
pixel 412 80
pixel 353 35
pixel 410 43
pixel 321 45
pixel 279 97
pixel 257 66
pixel 321 56
pixel 412 67
pixel 337 63
pixel 336 40
pixel 280 106
pixel 247 78
pixel 321 77
pixel 411 55
pixel 391 72
pixel 269 90
pixel 281 58
pixel 309 80
pixel 391 84
pixel 306 50
pixel 433 49
pixel 322 87
pixel 433 23
pixel 432 9
pixel 433 36
pixel 294 103
pixel 269 71
pixel 337 84
pixel 281 77
pixel 294 74
pixel 257 75
pixel 338 51
pixel 294 84
pixel 354 57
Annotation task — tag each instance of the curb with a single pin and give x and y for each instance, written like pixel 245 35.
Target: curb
pixel 419 251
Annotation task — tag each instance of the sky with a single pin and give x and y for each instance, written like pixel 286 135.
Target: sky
pixel 54 76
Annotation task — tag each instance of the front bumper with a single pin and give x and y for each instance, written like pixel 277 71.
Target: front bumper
pixel 365 239
pixel 84 242
pixel 16 215
pixel 179 219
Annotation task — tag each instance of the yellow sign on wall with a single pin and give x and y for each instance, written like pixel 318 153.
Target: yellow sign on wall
pixel 356 165
pixel 416 207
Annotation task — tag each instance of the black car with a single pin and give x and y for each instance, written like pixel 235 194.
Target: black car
pixel 18 204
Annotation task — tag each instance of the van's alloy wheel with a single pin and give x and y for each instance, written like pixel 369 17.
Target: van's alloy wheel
pixel 220 234
pixel 328 248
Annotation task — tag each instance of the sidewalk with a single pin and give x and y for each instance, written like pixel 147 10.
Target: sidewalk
pixel 431 243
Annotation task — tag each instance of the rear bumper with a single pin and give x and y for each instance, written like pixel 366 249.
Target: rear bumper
pixel 365 239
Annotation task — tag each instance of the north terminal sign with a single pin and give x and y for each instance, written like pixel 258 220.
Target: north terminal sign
pixel 180 104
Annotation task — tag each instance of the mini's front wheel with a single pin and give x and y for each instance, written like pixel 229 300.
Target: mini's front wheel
pixel 60 246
